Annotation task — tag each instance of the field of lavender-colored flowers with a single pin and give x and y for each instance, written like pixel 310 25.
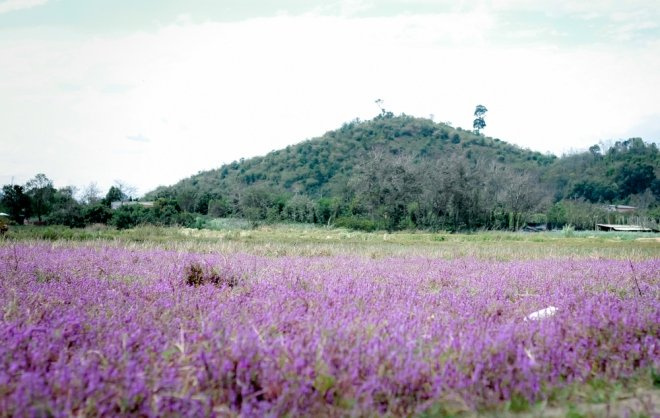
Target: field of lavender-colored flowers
pixel 105 330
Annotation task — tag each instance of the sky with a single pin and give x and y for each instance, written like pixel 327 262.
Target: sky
pixel 147 92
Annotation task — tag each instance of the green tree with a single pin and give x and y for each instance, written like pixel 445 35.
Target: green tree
pixel 655 188
pixel 130 216
pixel 634 178
pixel 187 198
pixel 300 209
pixel 557 216
pixel 17 202
pixel 594 191
pixel 65 209
pixel 218 208
pixel 595 150
pixel 256 203
pixel 479 122
pixel 328 209
pixel 166 211
pixel 202 202
pixel 114 195
pixel 97 213
pixel 41 192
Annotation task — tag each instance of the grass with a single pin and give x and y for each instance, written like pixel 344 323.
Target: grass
pixel 312 240
pixel 637 396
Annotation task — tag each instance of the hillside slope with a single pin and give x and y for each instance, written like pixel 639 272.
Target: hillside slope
pixel 322 166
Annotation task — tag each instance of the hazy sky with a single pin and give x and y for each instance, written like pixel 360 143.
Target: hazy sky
pixel 151 91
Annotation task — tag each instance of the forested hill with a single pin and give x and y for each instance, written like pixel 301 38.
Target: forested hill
pixel 401 171
pixel 323 166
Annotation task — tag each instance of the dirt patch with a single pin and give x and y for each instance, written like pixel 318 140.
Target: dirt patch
pixel 655 239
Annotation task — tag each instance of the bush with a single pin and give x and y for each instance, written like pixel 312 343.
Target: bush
pixel 557 217
pixel 300 209
pixel 96 214
pixel 218 208
pixel 163 213
pixel 71 217
pixel 196 274
pixel 130 216
pixel 352 222
pixel 185 219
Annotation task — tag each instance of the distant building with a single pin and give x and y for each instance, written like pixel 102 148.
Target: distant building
pixel 623 228
pixel 621 208
pixel 119 203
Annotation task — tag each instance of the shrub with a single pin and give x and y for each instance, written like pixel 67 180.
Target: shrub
pixel 126 217
pixel 196 274
pixel 97 214
pixel 71 217
pixel 352 222
pixel 568 230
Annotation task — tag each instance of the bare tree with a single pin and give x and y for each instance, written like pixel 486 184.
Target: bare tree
pixel 128 190
pixel 91 194
pixel 386 185
pixel 519 194
pixel 453 194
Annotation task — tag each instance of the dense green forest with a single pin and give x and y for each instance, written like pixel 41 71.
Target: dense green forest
pixel 391 172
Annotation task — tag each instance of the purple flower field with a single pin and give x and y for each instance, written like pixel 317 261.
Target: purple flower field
pixel 101 330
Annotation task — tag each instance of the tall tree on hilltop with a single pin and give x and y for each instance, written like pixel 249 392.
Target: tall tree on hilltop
pixel 479 122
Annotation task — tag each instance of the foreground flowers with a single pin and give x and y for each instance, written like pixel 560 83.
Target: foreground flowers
pixel 104 330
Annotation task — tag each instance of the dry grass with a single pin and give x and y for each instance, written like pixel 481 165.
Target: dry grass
pixel 309 240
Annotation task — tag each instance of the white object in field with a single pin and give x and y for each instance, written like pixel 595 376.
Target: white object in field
pixel 542 314
pixel 530 356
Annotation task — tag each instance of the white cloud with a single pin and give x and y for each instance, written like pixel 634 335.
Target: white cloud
pixel 208 94
pixel 593 7
pixel 12 5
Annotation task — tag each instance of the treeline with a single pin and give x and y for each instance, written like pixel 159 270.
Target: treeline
pixel 39 202
pixel 394 192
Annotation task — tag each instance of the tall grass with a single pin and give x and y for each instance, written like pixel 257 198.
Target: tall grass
pixel 311 240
